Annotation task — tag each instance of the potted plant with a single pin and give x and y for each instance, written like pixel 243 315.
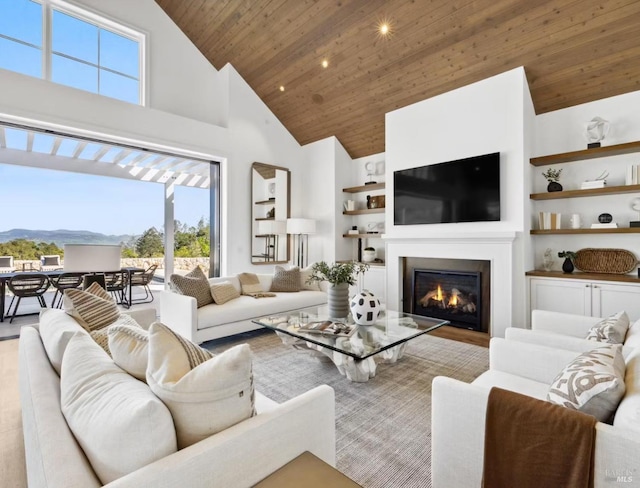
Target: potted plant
pixel 339 276
pixel 552 176
pixel 569 256
pixel 369 254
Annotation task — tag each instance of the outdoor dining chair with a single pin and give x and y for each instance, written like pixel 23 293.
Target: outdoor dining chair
pixel 25 286
pixel 142 278
pixel 65 281
pixel 115 284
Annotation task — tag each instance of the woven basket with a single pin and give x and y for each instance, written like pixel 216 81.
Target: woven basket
pixel 612 261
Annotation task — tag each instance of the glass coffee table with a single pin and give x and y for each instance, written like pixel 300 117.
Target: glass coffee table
pixel 354 349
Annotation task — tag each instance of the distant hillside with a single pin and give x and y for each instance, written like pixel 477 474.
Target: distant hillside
pixel 63 236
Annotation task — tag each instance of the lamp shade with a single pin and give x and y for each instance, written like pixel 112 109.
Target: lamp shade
pixel 272 227
pixel 91 258
pixel 301 226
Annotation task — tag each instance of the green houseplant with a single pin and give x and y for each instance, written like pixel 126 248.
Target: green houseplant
pixel 552 176
pixel 339 276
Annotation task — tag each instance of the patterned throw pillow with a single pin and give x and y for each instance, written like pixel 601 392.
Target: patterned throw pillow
pixel 224 292
pixel 286 280
pixel 592 383
pixel 250 283
pixel 194 284
pixel 612 329
pixel 93 308
pixel 205 394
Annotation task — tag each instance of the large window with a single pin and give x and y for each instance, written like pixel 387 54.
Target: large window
pixel 57 41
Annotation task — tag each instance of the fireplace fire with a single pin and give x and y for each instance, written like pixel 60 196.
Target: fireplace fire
pixel 448 295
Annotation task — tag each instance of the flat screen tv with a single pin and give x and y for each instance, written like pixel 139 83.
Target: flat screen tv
pixel 466 190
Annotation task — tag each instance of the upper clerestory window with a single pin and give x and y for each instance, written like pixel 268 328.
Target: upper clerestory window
pixel 60 42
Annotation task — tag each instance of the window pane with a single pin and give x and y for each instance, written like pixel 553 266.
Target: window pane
pixel 119 53
pixel 18 57
pixel 21 19
pixel 120 87
pixel 74 37
pixel 73 73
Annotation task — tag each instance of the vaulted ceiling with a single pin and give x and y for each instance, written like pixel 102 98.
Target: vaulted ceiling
pixel 573 51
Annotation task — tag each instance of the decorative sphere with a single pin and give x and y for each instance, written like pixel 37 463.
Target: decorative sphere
pixel 365 308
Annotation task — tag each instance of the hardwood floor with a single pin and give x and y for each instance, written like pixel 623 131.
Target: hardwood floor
pixel 462 335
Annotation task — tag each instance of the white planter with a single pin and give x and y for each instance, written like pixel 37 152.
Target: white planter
pixel 368 256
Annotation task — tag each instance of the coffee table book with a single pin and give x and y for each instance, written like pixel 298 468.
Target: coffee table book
pixel 327 328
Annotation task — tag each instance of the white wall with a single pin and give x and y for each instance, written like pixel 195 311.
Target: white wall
pixel 562 131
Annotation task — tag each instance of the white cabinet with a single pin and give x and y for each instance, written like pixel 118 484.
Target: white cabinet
pixel 582 297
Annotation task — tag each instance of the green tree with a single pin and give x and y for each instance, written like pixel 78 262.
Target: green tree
pixel 24 249
pixel 150 244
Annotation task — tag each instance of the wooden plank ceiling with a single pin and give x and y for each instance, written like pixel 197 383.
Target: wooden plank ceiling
pixel 573 51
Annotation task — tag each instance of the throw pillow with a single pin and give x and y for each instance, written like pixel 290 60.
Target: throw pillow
pixel 224 292
pixel 305 284
pixel 194 284
pixel 56 330
pixel 101 336
pixel 93 308
pixel 613 329
pixel 119 423
pixel 286 280
pixel 592 383
pixel 129 346
pixel 250 283
pixel 205 394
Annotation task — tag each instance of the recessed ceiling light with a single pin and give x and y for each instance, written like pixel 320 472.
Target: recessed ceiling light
pixel 281 88
pixel 325 63
pixel 385 28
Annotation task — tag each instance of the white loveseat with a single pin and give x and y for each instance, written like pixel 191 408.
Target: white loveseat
pixel 239 456
pixel 233 317
pixel 459 411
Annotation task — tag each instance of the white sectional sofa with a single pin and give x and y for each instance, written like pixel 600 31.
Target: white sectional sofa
pixel 214 321
pixel 238 456
pixel 459 414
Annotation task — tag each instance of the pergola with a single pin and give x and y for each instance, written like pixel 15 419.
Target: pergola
pixel 48 149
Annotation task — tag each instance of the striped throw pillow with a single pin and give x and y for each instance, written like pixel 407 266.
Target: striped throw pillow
pixel 93 308
pixel 205 393
pixel 194 284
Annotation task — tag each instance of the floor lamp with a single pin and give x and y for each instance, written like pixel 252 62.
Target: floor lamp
pixel 300 230
pixel 94 259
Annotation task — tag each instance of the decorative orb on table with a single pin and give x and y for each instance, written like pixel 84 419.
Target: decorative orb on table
pixel 365 308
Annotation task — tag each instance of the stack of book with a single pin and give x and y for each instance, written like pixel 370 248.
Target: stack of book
pixel 590 185
pixel 633 175
pixel 549 220
pixel 610 225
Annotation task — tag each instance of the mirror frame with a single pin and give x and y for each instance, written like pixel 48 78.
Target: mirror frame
pixel 266 172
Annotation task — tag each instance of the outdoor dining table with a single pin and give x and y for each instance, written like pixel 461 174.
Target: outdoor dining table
pixel 5 277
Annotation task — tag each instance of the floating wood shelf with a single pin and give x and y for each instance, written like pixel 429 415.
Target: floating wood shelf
pixel 373 265
pixel 611 190
pixel 266 202
pixel 265 218
pixel 356 236
pixel 359 189
pixel 364 211
pixel 596 152
pixel 620 230
pixel 579 275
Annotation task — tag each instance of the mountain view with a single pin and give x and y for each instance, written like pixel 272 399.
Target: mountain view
pixel 63 236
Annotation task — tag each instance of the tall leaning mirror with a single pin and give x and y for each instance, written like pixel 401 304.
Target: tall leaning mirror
pixel 270 199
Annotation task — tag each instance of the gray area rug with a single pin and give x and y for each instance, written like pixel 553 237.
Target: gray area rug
pixel 383 427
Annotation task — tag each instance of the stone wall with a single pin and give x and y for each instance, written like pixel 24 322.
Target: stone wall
pixel 179 264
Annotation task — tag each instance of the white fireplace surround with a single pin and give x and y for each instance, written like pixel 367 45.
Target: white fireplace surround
pixel 495 247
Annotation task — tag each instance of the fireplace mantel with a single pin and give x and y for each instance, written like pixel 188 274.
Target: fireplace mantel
pixel 495 247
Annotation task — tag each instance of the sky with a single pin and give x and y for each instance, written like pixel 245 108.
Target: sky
pixel 42 199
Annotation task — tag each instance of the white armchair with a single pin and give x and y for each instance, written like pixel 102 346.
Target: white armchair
pixel 6 264
pixel 459 412
pixel 566 331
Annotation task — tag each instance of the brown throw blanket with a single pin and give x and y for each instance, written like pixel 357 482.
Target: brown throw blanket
pixel 251 286
pixel 530 443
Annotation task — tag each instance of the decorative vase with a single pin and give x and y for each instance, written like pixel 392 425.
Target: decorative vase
pixel 338 300
pixel 554 186
pixel 365 308
pixel 567 266
pixel 368 256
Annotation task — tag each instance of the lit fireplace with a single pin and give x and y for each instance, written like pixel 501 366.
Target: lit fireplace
pixel 448 295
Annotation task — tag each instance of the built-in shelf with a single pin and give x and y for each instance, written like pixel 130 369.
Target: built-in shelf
pixel 596 152
pixel 579 275
pixel 265 218
pixel 620 230
pixel 373 265
pixel 359 189
pixel 364 211
pixel 271 201
pixel 611 190
pixel 360 236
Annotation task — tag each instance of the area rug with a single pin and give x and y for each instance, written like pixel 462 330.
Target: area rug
pixel 383 427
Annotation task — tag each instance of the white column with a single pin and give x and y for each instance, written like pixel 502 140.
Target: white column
pixel 169 230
